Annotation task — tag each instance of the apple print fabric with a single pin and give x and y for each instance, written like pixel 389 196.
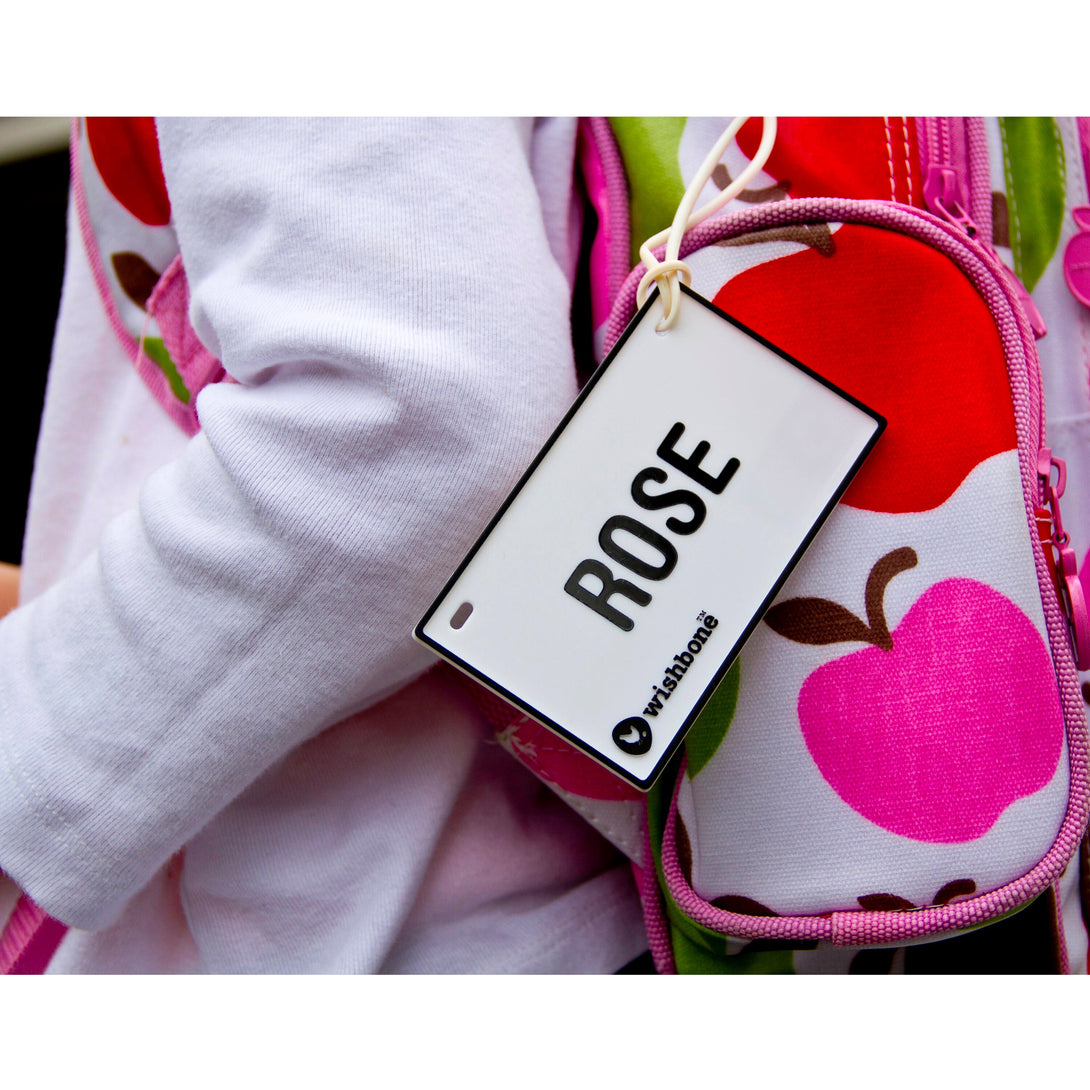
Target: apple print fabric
pixel 897 736
pixel 896 770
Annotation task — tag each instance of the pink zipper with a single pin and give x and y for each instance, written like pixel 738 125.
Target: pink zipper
pixel 957 187
pixel 1068 584
pixel 947 177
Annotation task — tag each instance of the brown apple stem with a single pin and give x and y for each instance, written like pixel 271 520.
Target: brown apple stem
pixel 890 565
pixel 721 177
pixel 816 235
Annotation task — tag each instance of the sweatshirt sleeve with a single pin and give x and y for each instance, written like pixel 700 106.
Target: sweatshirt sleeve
pixel 386 296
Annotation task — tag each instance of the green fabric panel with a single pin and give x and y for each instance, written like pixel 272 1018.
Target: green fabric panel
pixel 157 352
pixel 1033 169
pixel 690 958
pixel 707 733
pixel 649 150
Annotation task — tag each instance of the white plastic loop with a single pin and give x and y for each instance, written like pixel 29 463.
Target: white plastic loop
pixel 671 269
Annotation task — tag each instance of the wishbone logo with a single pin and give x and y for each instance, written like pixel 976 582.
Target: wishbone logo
pixel 622 732
pixel 633 735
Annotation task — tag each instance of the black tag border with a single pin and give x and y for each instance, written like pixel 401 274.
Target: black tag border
pixel 646 783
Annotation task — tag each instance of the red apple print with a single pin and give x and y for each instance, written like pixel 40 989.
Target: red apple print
pixel 898 326
pixel 126 153
pixel 861 157
pixel 936 728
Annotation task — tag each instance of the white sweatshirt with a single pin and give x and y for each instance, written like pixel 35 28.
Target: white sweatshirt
pixel 213 651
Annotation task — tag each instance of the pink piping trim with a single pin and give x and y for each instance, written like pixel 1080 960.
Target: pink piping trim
pixel 168 304
pixel 980 179
pixel 29 941
pixel 654 909
pixel 151 375
pixel 1023 368
pixel 615 218
pixel 594 179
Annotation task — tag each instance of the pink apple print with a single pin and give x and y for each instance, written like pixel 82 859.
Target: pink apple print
pixel 934 730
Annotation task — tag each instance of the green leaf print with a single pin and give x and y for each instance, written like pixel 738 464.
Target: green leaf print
pixel 1033 170
pixel 707 733
pixel 157 352
pixel 649 149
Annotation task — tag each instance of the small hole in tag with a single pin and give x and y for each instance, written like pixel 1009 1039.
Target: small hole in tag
pixel 461 615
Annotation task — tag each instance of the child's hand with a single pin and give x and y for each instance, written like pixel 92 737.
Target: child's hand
pixel 9 599
pixel 9 588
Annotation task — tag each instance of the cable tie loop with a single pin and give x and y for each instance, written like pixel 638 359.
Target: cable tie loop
pixel 686 218
pixel 664 271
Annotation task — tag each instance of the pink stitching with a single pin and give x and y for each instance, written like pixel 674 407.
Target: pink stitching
pixel 908 158
pixel 654 911
pixel 889 154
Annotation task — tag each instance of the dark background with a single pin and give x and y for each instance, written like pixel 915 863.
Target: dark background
pixel 33 197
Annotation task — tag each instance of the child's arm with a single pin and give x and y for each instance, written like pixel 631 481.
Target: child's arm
pixel 385 293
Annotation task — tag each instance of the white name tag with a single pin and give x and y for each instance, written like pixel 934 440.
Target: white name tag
pixel 622 576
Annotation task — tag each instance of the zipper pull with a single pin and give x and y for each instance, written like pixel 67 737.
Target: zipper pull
pixel 943 194
pixel 1062 562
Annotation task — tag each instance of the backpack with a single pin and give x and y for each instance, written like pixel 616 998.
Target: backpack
pixel 835 808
